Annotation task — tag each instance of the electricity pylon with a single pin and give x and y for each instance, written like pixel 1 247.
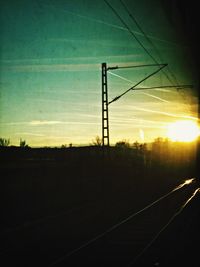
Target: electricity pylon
pixel 105 103
pixel 105 121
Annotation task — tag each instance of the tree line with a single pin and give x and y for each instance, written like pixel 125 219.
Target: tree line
pixel 4 142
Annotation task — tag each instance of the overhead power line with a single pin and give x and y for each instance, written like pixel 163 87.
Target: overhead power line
pixel 135 37
pixel 140 28
pixel 134 66
pixel 165 86
pixel 131 88
pixel 147 38
pixel 180 86
pixel 130 31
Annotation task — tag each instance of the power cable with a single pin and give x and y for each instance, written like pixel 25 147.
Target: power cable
pixel 158 53
pixel 135 37
pixel 140 28
pixel 148 39
pixel 130 31
pixel 132 88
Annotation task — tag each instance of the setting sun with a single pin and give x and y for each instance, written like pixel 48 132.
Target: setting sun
pixel 183 131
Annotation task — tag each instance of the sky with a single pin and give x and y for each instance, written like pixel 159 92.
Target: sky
pixel 50 83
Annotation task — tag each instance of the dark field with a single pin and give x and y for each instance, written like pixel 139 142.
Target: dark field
pixel 55 200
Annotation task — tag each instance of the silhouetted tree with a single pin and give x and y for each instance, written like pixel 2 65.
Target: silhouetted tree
pixel 143 147
pixel 4 142
pixel 97 141
pixel 136 145
pixel 123 144
pixel 22 143
pixel 63 146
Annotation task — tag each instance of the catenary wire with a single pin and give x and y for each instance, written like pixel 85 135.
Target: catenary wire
pixel 135 37
pixel 148 39
pixel 132 88
pixel 152 57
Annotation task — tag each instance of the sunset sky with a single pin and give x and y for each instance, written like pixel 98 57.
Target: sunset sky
pixel 50 83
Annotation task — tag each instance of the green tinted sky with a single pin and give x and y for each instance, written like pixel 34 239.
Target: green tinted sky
pixel 50 83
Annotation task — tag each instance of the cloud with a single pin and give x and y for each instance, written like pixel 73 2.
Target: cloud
pixel 121 77
pixel 156 97
pixel 163 124
pixel 31 134
pixel 110 24
pixel 13 123
pixel 47 61
pixel 54 137
pixel 90 115
pixel 141 133
pixel 38 123
pixel 57 122
pixel 97 42
pixel 64 66
pixel 51 67
pixel 163 90
pixel 132 83
pixel 166 113
pixel 134 125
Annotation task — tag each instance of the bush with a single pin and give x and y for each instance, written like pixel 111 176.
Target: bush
pixel 4 142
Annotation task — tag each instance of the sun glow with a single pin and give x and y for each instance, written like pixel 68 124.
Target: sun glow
pixel 183 131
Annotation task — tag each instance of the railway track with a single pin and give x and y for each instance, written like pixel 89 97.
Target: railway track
pixel 94 235
pixel 126 242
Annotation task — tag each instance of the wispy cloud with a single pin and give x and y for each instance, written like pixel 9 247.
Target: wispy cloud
pixel 156 97
pixel 132 83
pixel 156 89
pixel 38 123
pixel 121 77
pixel 89 115
pixel 13 123
pixel 51 67
pixel 109 24
pixel 163 90
pixel 94 42
pixel 57 67
pixel 133 120
pixel 141 133
pixel 165 113
pixel 55 137
pixel 53 60
pixel 137 123
pixel 30 134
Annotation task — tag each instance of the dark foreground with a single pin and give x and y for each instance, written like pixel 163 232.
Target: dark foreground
pixel 78 210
